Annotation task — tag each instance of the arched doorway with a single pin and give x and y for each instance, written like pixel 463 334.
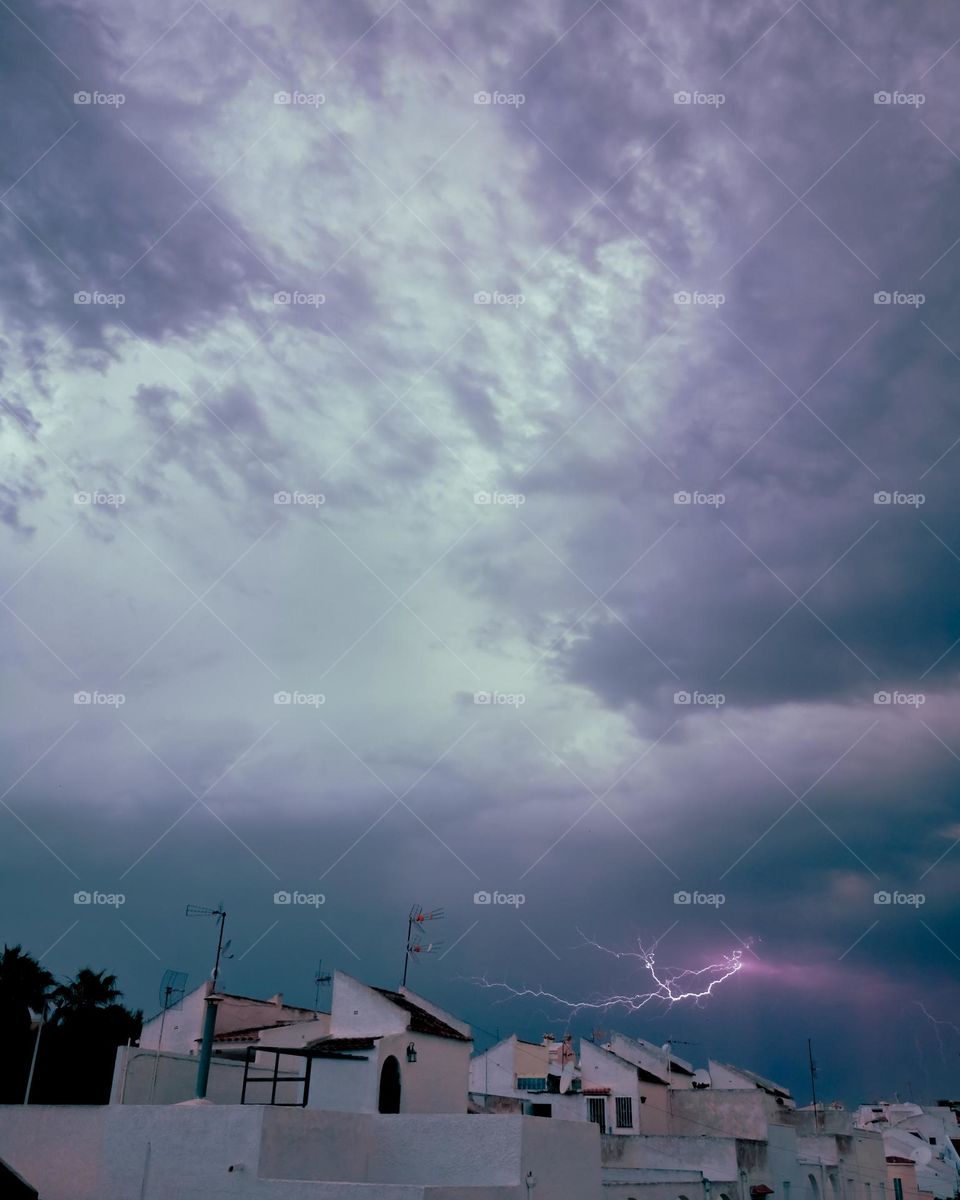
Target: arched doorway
pixel 389 1101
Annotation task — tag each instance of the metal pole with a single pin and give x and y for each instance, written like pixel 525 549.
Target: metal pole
pixel 406 957
pixel 33 1060
pixel 813 1085
pixel 206 1048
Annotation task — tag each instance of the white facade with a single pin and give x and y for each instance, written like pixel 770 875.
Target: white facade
pixel 428 1049
pixel 183 1025
pixel 922 1135
pixel 216 1152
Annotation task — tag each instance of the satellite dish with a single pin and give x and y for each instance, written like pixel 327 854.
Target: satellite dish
pixel 172 988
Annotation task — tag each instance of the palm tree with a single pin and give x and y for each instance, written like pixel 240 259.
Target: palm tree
pixel 88 990
pixel 24 984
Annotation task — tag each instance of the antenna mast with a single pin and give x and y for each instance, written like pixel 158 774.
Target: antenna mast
pixel 415 922
pixel 320 979
pixel 813 1084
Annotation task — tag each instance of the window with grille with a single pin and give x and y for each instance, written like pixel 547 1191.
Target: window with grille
pixel 596 1111
pixel 624 1112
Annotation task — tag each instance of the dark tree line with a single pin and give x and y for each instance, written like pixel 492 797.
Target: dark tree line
pixel 83 1026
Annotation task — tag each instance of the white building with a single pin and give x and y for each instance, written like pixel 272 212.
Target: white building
pixel 921 1135
pixel 376 1050
pixel 182 1025
pixel 203 1151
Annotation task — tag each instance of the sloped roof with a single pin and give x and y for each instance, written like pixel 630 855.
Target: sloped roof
pixel 249 1032
pixel 338 1045
pixel 422 1021
pixel 765 1085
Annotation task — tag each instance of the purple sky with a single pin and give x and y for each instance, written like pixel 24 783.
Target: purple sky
pixel 787 201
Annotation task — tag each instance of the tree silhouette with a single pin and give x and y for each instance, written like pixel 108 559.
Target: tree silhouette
pixel 25 987
pixel 88 990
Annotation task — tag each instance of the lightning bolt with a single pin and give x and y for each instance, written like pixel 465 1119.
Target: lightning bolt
pixel 936 1023
pixel 670 985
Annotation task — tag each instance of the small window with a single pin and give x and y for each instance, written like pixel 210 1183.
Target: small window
pixel 933 1141
pixel 531 1083
pixel 624 1112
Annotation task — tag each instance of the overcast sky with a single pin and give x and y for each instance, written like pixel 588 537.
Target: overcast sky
pixel 212 300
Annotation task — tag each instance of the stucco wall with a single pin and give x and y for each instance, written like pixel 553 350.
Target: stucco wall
pixel 734 1113
pixel 215 1152
pixel 58 1154
pixel 177 1079
pixel 716 1158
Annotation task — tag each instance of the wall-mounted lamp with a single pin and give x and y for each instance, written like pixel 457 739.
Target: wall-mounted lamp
pixel 411 1052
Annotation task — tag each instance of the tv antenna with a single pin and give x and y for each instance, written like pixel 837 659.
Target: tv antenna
pixel 321 980
pixel 172 987
pixel 813 1084
pixel 415 943
pixel 219 914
